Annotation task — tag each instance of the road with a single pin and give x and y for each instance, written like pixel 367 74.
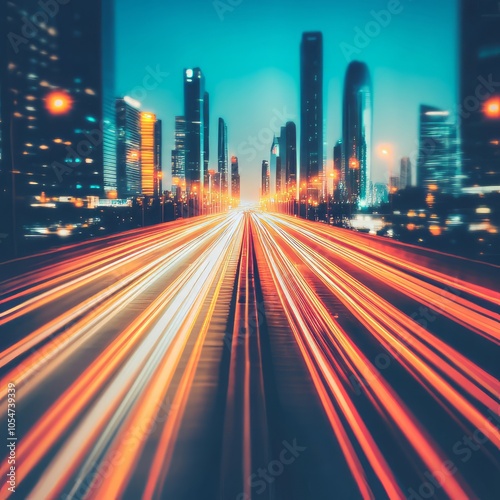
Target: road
pixel 249 356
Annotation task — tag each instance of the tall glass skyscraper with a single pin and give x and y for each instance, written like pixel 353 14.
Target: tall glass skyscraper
pixel 179 153
pixel 273 166
pixel 194 92
pixel 150 154
pixel 223 159
pixel 311 116
pixel 128 148
pixel 265 176
pixel 290 160
pixel 357 133
pixel 479 109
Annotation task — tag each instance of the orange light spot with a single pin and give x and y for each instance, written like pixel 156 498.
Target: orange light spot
pixel 58 103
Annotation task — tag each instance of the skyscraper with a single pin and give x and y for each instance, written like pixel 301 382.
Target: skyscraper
pixel 158 159
pixel 150 154
pixel 223 157
pixel 290 160
pixel 235 181
pixel 479 108
pixel 311 117
pixel 194 93
pixel 357 132
pixel 179 153
pixel 57 111
pixel 405 173
pixel 438 159
pixel 128 148
pixel 206 137
pixel 265 178
pixel 337 170
pixel 273 168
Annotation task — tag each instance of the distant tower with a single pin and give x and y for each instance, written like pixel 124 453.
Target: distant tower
pixel 128 147
pixel 290 160
pixel 194 108
pixel 405 173
pixel 438 166
pixel 150 154
pixel 223 157
pixel 479 109
pixel 357 132
pixel 235 181
pixel 311 115
pixel 206 137
pixel 273 167
pixel 265 177
pixel 179 154
pixel 337 169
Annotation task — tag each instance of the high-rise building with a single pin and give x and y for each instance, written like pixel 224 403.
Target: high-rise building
pixel 273 167
pixel 179 154
pixel 235 182
pixel 479 109
pixel 394 184
pixel 311 117
pixel 150 154
pixel 357 133
pixel 405 173
pixel 265 178
pixel 223 158
pixel 194 108
pixel 128 148
pixel 290 160
pixel 206 138
pixel 438 159
pixel 158 159
pixel 57 111
pixel 281 164
pixel 337 170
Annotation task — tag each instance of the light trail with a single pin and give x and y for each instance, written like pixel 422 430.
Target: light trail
pixel 120 328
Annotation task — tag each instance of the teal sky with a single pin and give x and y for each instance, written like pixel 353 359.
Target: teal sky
pixel 249 53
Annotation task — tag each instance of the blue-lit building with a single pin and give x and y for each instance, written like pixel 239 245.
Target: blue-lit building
pixel 179 153
pixel 438 165
pixel 194 110
pixel 311 116
pixel 223 159
pixel 128 148
pixel 357 133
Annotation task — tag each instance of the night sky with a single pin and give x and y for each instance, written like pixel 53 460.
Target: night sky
pixel 249 54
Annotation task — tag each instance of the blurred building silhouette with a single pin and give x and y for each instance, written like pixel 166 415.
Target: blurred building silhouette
pixel 479 109
pixel 337 171
pixel 273 167
pixel 405 173
pixel 438 159
pixel 179 155
pixel 57 103
pixel 265 177
pixel 128 148
pixel 357 133
pixel 311 117
pixel 194 110
pixel 206 138
pixel 235 181
pixel 223 158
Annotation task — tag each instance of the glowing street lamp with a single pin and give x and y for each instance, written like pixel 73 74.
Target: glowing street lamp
pixel 58 102
pixel 492 108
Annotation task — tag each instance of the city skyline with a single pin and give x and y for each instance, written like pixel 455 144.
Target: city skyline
pixel 264 84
